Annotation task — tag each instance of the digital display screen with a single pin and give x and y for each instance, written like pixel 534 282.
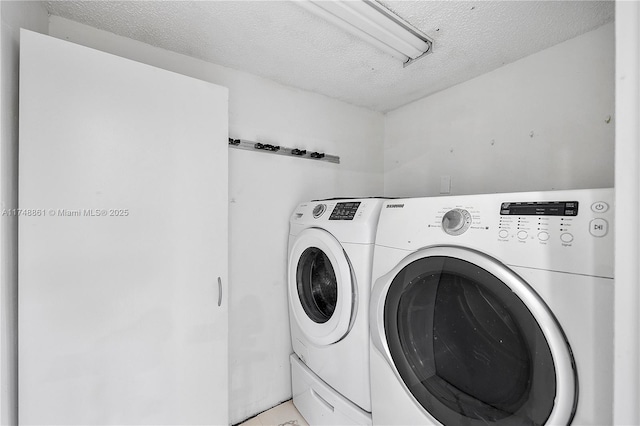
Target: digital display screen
pixel 344 211
pixel 540 208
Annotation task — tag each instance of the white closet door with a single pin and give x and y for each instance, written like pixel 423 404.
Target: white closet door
pixel 123 182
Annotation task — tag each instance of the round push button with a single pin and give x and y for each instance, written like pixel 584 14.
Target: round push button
pixel 599 207
pixel 503 233
pixel 523 235
pixel 566 237
pixel 543 236
pixel 599 227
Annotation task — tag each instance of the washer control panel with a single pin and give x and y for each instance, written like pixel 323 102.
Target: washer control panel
pixel 349 220
pixel 345 210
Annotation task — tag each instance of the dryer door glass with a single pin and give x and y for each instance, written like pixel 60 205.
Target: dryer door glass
pixel 317 285
pixel 466 346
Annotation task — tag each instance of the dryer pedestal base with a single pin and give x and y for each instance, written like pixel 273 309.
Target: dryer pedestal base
pixel 318 403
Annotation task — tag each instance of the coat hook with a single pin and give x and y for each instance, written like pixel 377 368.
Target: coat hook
pixel 281 150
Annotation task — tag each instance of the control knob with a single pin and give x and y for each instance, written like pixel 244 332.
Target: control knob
pixel 456 221
pixel 318 210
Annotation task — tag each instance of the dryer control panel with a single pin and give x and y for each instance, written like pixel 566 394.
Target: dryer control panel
pixel 569 231
pixel 539 208
pixel 544 221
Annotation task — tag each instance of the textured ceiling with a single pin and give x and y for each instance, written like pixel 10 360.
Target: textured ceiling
pixel 282 41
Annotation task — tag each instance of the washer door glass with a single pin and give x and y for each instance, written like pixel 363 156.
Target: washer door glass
pixel 317 285
pixel 466 346
pixel 321 289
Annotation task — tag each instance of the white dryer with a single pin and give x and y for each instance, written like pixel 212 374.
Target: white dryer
pixel 494 310
pixel 329 281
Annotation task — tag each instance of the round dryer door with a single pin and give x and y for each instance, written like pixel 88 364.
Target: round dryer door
pixel 472 342
pixel 321 289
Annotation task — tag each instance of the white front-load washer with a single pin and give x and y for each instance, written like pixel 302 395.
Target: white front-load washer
pixel 494 310
pixel 329 282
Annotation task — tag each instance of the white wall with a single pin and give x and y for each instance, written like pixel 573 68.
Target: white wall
pixel 263 191
pixel 626 410
pixel 535 124
pixel 14 15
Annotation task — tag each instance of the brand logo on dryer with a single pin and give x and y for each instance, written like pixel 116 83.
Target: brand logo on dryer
pixel 395 206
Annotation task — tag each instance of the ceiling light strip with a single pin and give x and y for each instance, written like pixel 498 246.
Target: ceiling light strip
pixel 375 24
pixel 398 20
pixel 349 27
pixel 385 29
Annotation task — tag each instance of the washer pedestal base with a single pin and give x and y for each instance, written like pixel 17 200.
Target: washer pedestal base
pixel 318 403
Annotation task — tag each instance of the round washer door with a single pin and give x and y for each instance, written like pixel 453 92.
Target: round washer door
pixel 472 342
pixel 321 291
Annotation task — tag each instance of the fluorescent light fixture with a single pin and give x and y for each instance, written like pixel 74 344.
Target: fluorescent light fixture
pixel 375 24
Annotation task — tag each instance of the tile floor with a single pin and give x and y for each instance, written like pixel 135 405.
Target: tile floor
pixel 284 414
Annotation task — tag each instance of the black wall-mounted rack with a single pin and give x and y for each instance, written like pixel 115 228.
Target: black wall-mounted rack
pixel 282 150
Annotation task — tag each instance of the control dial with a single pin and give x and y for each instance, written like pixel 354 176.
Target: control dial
pixel 456 221
pixel 318 210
